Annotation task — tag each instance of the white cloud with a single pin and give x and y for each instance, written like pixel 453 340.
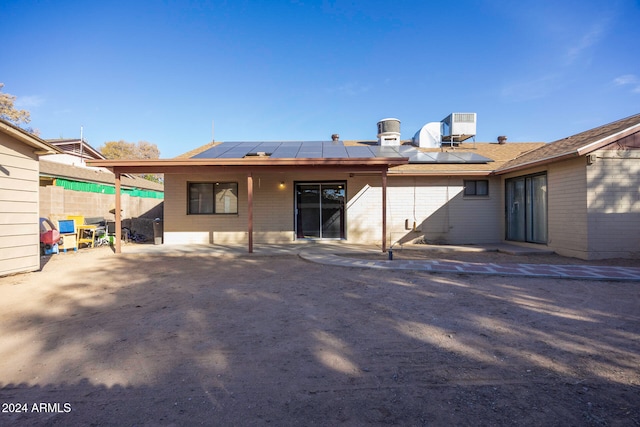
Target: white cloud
pixel 530 90
pixel 625 79
pixel 350 89
pixel 589 39
pixel 628 80
pixel 29 102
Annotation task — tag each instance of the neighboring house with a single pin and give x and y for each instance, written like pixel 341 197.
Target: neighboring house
pixel 19 218
pixel 70 186
pixel 442 189
pixel 74 152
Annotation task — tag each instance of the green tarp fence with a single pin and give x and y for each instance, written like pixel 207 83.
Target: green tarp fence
pixel 90 187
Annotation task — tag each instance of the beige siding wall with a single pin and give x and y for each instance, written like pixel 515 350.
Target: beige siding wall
pixel 594 210
pixel 272 207
pixel 19 224
pixel 436 205
pixel 566 206
pixel 568 228
pixel 613 201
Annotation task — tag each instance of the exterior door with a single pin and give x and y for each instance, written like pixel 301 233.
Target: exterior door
pixel 526 204
pixel 320 210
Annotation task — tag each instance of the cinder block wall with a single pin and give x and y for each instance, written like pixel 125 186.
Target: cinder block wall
pixel 57 201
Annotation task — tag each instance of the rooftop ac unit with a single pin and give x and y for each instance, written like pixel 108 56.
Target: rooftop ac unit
pixel 458 127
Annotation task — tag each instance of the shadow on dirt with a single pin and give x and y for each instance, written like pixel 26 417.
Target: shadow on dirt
pixel 194 339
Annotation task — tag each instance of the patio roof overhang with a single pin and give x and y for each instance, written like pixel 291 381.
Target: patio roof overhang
pixel 248 164
pixel 377 165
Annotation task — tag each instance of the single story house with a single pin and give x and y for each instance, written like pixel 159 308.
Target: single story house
pixel 578 196
pixel 19 205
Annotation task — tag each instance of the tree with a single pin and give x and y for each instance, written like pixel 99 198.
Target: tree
pixel 119 150
pixel 131 150
pixel 147 150
pixel 8 112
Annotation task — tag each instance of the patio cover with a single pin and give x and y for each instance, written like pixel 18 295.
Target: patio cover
pixel 260 162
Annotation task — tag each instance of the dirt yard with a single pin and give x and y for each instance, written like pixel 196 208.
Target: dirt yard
pixel 100 339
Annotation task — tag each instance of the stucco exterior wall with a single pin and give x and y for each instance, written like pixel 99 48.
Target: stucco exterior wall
pixel 19 223
pixel 613 203
pixel 436 205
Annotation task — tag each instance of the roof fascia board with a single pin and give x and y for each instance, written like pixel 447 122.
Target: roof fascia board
pixel 395 172
pixel 589 148
pixel 251 162
pixel 41 146
pixel 539 162
pixel 248 168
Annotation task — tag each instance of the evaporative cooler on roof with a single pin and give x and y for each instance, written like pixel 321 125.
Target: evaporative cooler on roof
pixel 389 132
pixel 458 127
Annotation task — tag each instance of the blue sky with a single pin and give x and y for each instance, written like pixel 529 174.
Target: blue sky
pixel 162 71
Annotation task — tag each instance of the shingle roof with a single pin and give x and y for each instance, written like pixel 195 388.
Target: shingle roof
pixel 75 147
pixel 28 138
pixel 61 170
pixel 576 145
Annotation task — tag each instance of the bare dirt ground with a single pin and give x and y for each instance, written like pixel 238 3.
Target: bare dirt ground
pixel 101 339
pixel 417 253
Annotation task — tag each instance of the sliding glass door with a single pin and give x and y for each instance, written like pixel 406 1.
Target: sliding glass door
pixel 320 210
pixel 526 204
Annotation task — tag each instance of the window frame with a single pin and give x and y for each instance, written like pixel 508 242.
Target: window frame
pixel 465 186
pixel 233 186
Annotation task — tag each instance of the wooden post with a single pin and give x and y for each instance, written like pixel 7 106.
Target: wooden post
pixel 118 214
pixel 384 211
pixel 250 209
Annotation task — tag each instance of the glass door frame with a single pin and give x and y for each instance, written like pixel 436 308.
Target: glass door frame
pixel 296 210
pixel 524 220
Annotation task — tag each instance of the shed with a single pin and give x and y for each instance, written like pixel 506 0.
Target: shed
pixel 19 205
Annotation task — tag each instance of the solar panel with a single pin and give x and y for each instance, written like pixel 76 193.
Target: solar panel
pixel 419 157
pixel 334 150
pixel 459 157
pixel 386 152
pixel 286 150
pixel 215 152
pixel 359 152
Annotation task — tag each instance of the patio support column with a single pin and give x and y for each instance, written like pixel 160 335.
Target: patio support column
pixel 250 209
pixel 384 210
pixel 118 214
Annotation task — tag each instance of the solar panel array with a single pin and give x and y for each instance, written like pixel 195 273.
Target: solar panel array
pixel 332 150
